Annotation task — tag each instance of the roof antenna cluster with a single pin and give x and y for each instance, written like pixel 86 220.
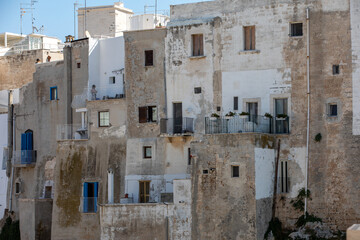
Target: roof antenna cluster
pixel 25 8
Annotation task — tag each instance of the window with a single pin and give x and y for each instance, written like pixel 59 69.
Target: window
pixel 48 191
pixel 284 180
pixel 236 103
pixel 149 58
pixel 78 65
pixel 90 197
pixel 111 80
pixel 197 45
pixel 296 29
pixel 144 191
pixel 336 69
pixel 53 93
pixel 252 108
pixel 104 119
pixel 197 90
pixel 17 188
pixel 281 122
pixel 147 114
pixel 218 109
pixel 333 110
pixel 249 37
pixel 206 171
pixel 27 146
pixel 235 171
pixel 189 156
pixel 147 152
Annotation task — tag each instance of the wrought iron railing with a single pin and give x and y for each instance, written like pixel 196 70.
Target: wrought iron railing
pixel 24 157
pixel 181 126
pixel 71 132
pixel 245 124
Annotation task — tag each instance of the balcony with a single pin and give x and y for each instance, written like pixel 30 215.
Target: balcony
pixel 24 158
pixel 71 132
pixel 246 124
pixel 177 126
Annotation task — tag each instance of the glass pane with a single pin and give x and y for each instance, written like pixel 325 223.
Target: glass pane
pixel 154 114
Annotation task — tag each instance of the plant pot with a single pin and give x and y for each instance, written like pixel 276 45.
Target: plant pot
pixel 280 119
pixel 243 116
pixel 229 117
pixel 213 118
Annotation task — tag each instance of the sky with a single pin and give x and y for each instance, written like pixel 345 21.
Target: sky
pixel 57 16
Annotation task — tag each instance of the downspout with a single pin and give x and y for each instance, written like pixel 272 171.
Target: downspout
pixel 12 165
pixel 165 90
pixel 308 105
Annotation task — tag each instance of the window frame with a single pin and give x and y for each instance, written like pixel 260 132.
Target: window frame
pixel 197 45
pixel 145 156
pixel 150 63
pixel 330 105
pixel 251 30
pixel 233 167
pixel 146 114
pixel 112 80
pixel 52 97
pixel 336 69
pixel 291 29
pixel 99 118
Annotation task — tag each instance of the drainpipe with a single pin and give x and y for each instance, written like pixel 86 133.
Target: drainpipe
pixel 308 105
pixel 110 186
pixel 12 165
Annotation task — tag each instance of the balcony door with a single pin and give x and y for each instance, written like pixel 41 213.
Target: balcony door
pixel 177 117
pixel 252 108
pixel 144 191
pixel 27 147
pixel 281 107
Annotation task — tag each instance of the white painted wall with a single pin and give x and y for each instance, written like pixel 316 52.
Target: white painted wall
pixel 147 21
pixel 355 43
pixel 253 84
pixel 264 172
pixel 3 177
pixel 106 59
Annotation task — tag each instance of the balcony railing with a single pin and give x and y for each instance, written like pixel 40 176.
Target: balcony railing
pixel 182 126
pixel 24 158
pixel 71 132
pixel 90 204
pixel 246 124
pixel 100 93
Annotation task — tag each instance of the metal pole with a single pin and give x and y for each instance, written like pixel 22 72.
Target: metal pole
pixel 155 13
pixel 74 20
pixel 308 106
pixel 12 165
pixel 85 20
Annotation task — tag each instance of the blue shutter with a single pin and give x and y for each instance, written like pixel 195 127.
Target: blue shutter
pixel 85 197
pixel 23 148
pixel 51 95
pixel 29 147
pixel 95 195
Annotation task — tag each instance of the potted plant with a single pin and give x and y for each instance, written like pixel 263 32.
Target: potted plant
pixel 281 117
pixel 214 116
pixel 268 115
pixel 244 115
pixel 229 115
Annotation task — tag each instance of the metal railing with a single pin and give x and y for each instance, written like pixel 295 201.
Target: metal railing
pixel 71 132
pixel 283 185
pixel 172 126
pixel 24 158
pixel 246 124
pixel 89 204
pixel 104 93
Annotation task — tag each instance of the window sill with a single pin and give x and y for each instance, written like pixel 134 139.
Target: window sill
pixel 296 37
pixel 249 52
pixel 197 57
pixel 149 66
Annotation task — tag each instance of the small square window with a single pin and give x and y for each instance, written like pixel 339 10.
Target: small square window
pixel 197 90
pixel 149 58
pixel 236 103
pixel 147 152
pixel 235 171
pixel 17 188
pixel 111 80
pixel 296 29
pixel 53 93
pixel 104 119
pixel 197 45
pixel 147 114
pixel 333 111
pixel 78 65
pixel 189 156
pixel 206 171
pixel 218 109
pixel 336 69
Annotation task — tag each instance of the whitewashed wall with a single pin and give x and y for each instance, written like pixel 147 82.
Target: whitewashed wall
pixel 3 177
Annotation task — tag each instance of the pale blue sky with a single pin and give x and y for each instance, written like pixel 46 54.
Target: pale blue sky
pixel 57 16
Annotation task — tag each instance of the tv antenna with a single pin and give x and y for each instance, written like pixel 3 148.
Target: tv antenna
pixel 24 8
pixel 76 5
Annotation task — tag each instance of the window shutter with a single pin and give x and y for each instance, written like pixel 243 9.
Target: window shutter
pixel 95 195
pixel 85 197
pixel 142 114
pixel 201 45
pixel 247 38
pixel 252 38
pixel 29 141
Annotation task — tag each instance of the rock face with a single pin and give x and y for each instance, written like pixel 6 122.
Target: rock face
pixel 313 229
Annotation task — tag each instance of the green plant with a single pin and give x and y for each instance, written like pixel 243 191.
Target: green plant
pixel 10 230
pixel 318 137
pixel 215 115
pixel 281 116
pixel 230 114
pixel 303 219
pixel 268 115
pixel 244 114
pixel 298 203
